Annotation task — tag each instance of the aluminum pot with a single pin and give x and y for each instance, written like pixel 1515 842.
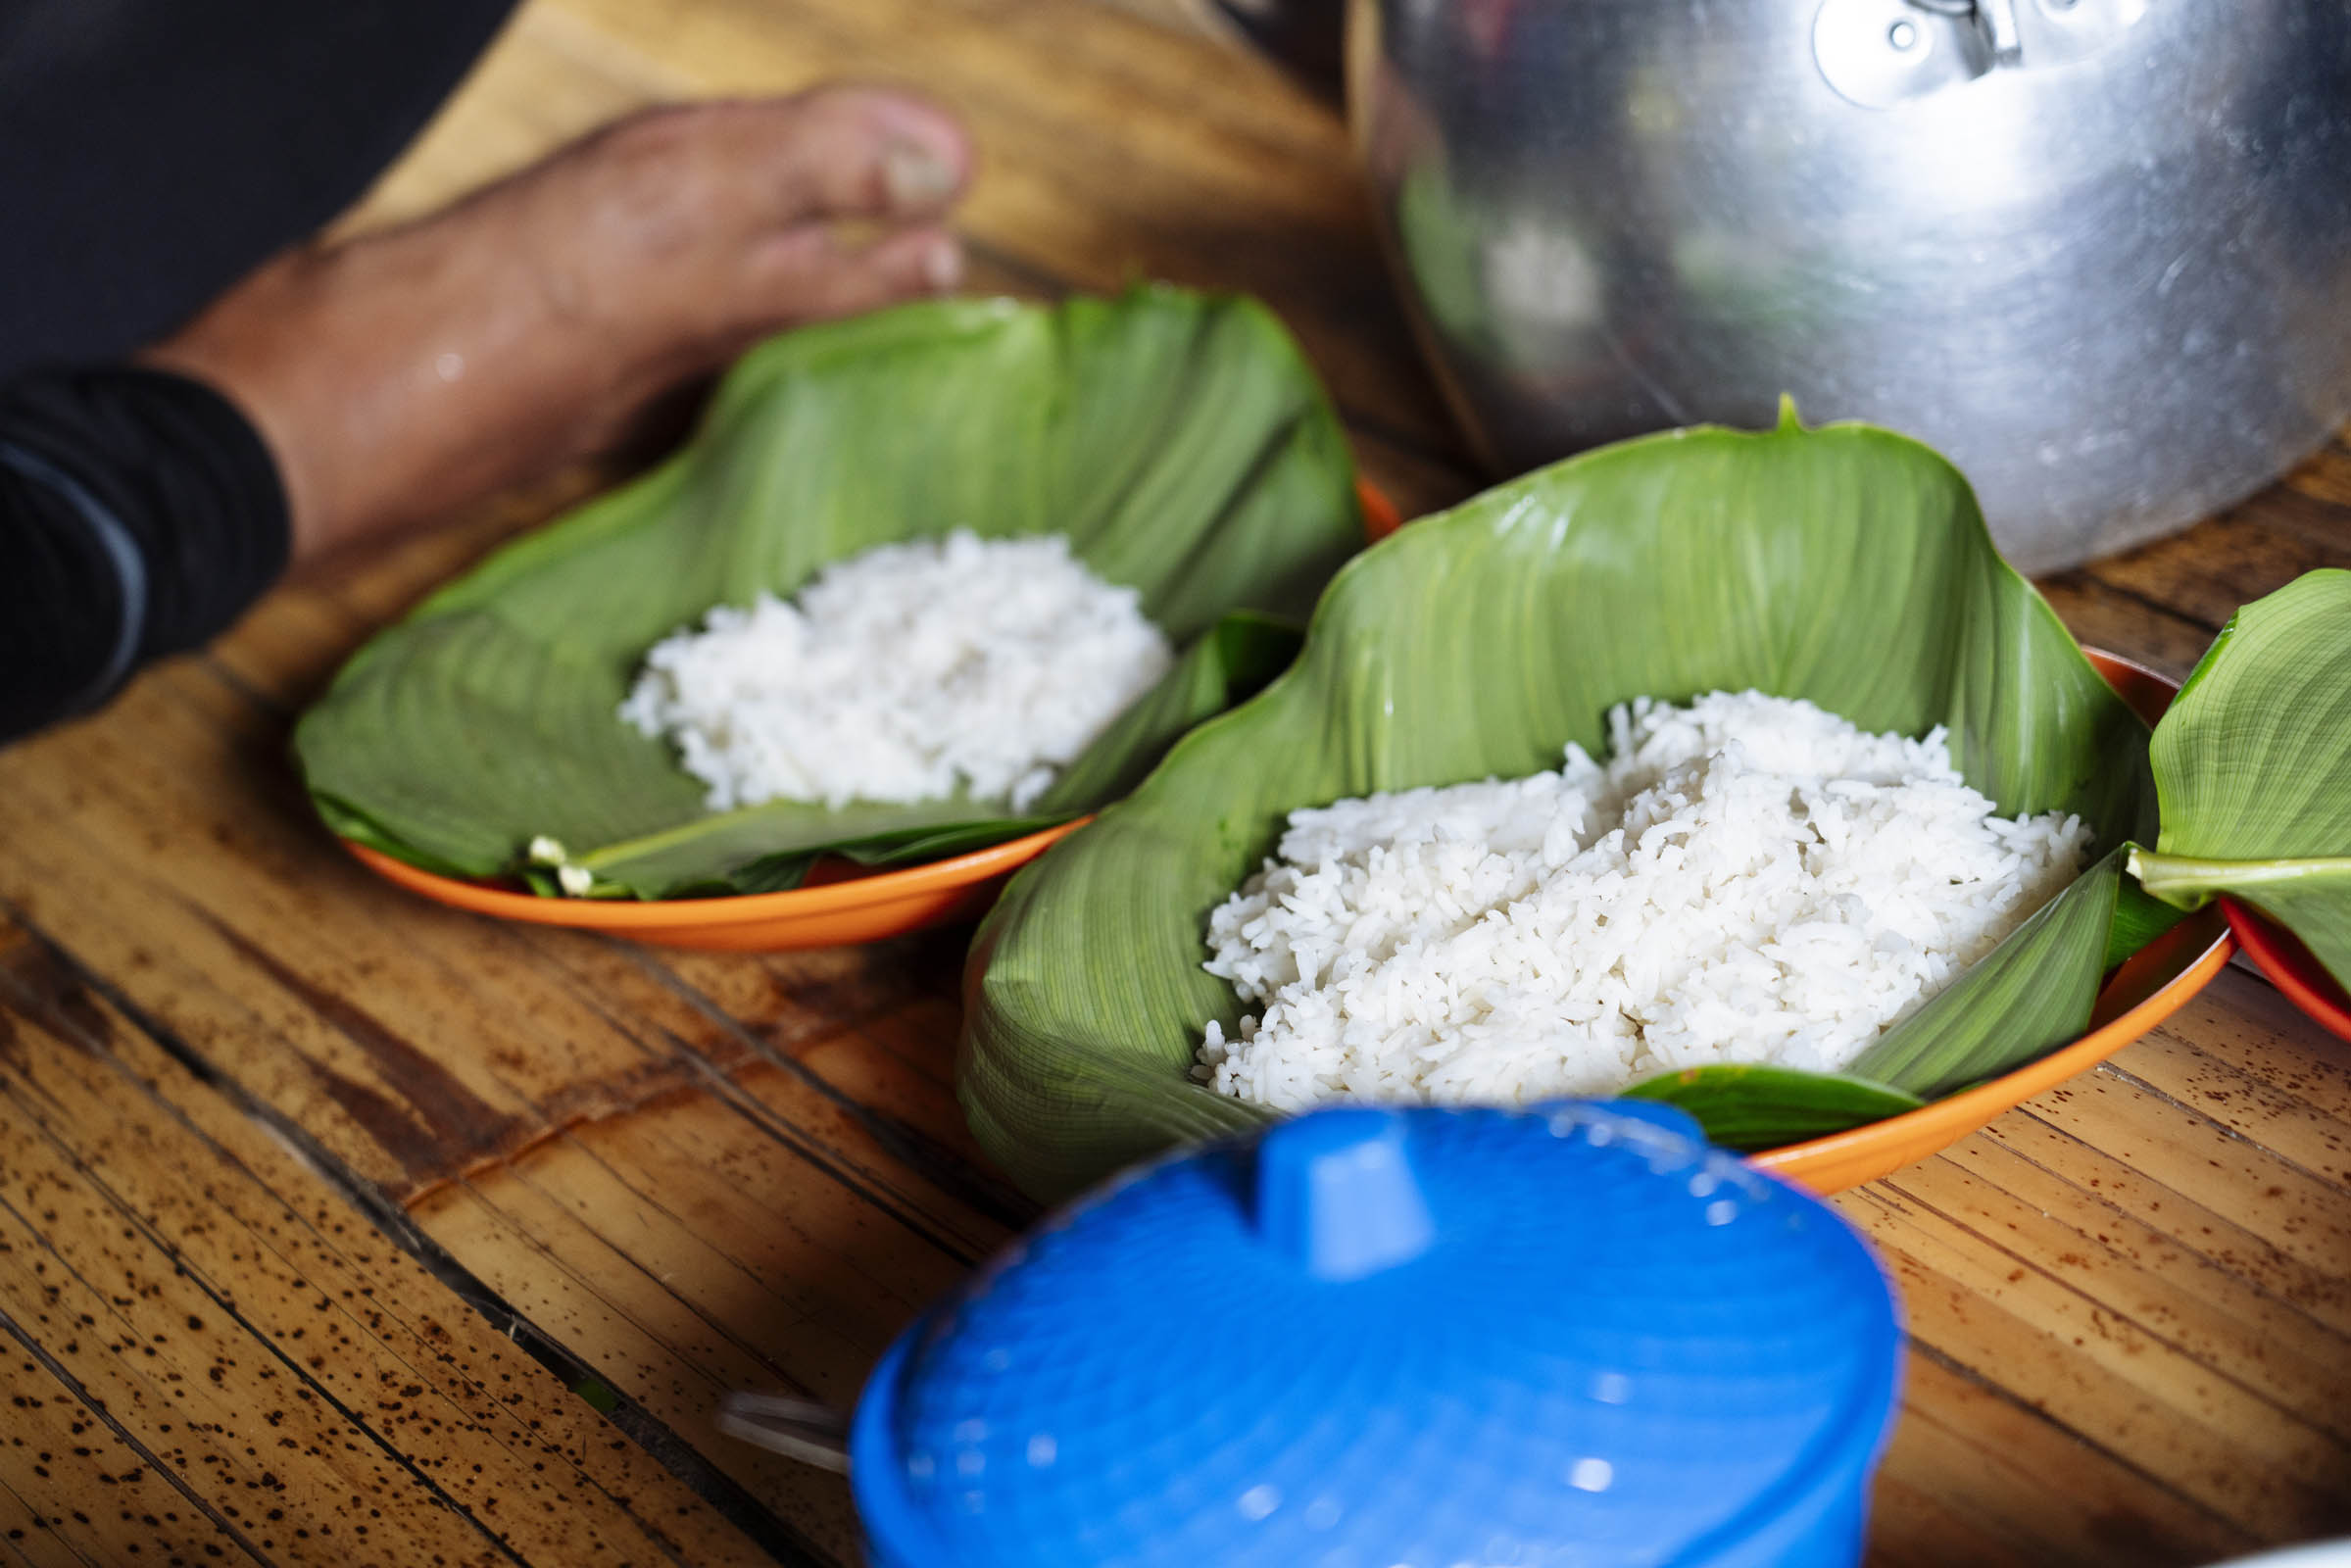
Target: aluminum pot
pixel 2098 252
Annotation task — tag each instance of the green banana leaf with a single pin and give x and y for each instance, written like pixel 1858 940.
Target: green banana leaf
pixel 2139 917
pixel 1753 1107
pixel 1179 440
pixel 1845 565
pixel 2253 765
pixel 2032 992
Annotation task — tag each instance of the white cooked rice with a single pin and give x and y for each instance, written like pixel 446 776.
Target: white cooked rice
pixel 1750 879
pixel 905 673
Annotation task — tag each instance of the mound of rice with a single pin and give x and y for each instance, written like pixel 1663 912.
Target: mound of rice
pixel 1750 879
pixel 905 673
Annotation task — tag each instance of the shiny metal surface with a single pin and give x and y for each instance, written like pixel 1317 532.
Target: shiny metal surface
pixel 2098 251
pixel 798 1429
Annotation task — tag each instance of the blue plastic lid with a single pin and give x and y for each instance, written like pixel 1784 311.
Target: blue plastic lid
pixel 1411 1338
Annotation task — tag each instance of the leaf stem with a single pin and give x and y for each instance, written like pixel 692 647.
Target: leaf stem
pixel 2190 883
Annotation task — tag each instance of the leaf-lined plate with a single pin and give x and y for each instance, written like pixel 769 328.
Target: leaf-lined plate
pixel 1849 566
pixel 2253 765
pixel 861 893
pixel 1180 441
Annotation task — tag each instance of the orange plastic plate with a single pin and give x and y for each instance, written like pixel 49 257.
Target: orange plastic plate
pixel 840 905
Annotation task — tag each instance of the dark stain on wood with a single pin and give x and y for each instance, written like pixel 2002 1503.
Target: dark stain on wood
pixel 416 1148
pixel 436 1127
pixel 38 984
pixel 2132 1536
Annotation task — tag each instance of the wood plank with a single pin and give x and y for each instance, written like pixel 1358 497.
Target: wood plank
pixel 2222 1310
pixel 2116 1205
pixel 214 1398
pixel 2205 573
pixel 28 1539
pixel 2209 1441
pixel 887 1050
pixel 316 1346
pixel 1910 1529
pixel 2103 616
pixel 434 1116
pixel 85 1496
pixel 2242 1057
pixel 2204 1187
pixel 2326 475
pixel 751 1213
pixel 642 1340
pixel 2046 1493
pixel 1189 16
pixel 2196 1321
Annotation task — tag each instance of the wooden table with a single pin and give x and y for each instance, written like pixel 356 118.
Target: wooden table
pixel 338 1228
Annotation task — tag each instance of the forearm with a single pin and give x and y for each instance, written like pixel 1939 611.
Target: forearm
pixel 139 514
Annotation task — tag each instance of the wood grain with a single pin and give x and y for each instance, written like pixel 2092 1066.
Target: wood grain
pixel 338 1226
pixel 213 1346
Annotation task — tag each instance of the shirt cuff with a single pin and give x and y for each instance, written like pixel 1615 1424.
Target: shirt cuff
pixel 176 486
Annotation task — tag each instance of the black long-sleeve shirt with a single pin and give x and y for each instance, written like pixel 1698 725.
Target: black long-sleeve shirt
pixel 139 514
pixel 152 152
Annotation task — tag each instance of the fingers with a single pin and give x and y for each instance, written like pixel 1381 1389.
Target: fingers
pixel 810 274
pixel 845 152
pixel 758 197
